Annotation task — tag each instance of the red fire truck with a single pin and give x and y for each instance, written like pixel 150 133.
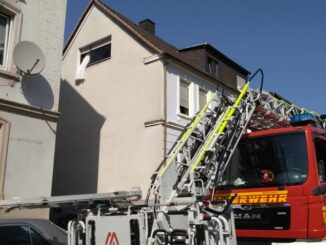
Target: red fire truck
pixel 274 176
pixel 279 176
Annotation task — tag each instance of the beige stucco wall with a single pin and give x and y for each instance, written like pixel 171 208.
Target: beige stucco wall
pixel 103 144
pixel 29 155
pixel 31 141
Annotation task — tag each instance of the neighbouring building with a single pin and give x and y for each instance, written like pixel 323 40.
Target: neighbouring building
pixel 29 103
pixel 125 96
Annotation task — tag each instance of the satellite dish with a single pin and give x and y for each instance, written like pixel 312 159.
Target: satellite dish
pixel 29 58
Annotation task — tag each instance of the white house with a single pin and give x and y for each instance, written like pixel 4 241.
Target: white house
pixel 125 96
pixel 29 103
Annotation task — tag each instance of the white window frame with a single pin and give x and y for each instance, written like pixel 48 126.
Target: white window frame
pixel 198 96
pixel 6 41
pixel 190 99
pixel 14 16
pixel 95 45
pixel 81 65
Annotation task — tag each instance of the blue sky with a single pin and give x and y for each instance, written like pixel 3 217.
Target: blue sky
pixel 287 38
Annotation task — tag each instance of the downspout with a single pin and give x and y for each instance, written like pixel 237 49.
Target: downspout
pixel 165 105
pixel 165 116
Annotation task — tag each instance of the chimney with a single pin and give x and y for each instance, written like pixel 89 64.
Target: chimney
pixel 148 25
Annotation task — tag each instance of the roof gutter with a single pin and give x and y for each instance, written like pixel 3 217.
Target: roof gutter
pixel 152 58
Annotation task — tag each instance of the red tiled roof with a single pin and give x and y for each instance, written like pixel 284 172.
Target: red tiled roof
pixel 151 41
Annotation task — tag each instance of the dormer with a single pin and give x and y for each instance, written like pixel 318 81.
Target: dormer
pixel 216 64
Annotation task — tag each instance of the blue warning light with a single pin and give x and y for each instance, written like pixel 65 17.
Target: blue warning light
pixel 303 119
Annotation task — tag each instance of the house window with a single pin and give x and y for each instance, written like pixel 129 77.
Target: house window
pixel 92 54
pixel 97 51
pixel 97 54
pixel 184 97
pixel 4 33
pixel 212 67
pixel 202 97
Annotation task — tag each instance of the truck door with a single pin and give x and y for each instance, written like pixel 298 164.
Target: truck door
pixel 317 201
pixel 320 148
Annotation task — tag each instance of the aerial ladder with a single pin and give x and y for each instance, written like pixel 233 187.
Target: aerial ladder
pixel 203 150
pixel 195 164
pixel 200 155
pixel 176 209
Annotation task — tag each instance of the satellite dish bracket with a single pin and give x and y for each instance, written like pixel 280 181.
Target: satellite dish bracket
pixel 36 62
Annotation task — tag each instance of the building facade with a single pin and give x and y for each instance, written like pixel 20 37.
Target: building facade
pixel 29 103
pixel 125 96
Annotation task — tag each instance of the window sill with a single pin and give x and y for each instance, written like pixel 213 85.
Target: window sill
pixel 8 74
pixel 183 116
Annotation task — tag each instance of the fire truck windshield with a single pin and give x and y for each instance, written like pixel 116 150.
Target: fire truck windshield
pixel 271 160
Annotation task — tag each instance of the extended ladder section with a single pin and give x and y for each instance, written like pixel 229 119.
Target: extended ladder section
pixel 273 111
pixel 83 201
pixel 293 110
pixel 190 167
pixel 198 159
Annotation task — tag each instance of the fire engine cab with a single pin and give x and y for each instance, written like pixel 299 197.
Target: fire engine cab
pixel 279 176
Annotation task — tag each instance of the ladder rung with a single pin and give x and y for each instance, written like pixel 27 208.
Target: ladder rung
pixel 180 163
pixel 196 138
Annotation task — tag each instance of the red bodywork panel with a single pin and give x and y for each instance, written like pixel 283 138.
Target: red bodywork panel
pixel 307 210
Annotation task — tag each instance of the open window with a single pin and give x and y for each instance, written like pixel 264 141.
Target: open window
pixel 97 51
pixel 91 54
pixel 184 105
